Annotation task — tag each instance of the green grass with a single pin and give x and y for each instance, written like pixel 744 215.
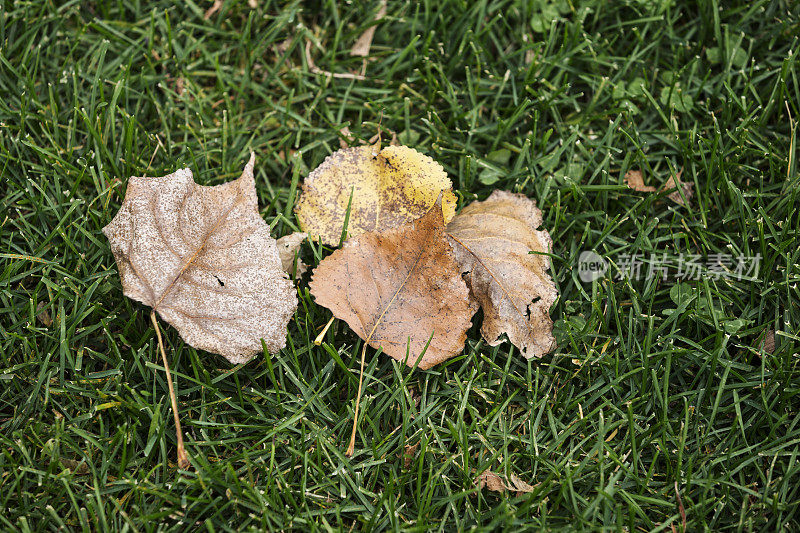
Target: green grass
pixel 656 387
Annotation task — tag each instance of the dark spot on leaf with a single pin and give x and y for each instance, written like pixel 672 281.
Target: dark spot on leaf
pixel 530 306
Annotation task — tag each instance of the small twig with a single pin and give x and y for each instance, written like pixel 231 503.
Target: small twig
pixel 154 153
pixel 213 9
pixel 791 142
pixel 680 507
pixel 183 459
pixel 376 147
pixel 316 70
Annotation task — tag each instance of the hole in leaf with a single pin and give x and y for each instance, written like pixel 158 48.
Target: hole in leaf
pixel 530 305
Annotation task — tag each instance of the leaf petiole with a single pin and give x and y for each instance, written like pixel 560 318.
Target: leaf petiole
pixel 183 459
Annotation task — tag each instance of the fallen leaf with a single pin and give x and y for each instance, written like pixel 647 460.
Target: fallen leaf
pixel 287 246
pixel 178 84
pixel 493 241
pixel 634 180
pixel 389 187
pixel 79 468
pixel 495 483
pixel 518 485
pixel 409 451
pixel 364 42
pixel 400 291
pixel 489 480
pixel 43 315
pixel 414 394
pixel 685 187
pixel 399 288
pixel 767 342
pixel 203 258
pixel 172 239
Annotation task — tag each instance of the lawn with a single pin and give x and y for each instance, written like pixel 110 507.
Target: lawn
pixel 666 405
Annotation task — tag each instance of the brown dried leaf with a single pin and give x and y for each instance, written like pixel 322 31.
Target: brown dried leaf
pixel 43 315
pixel 364 42
pixel 397 288
pixel 409 451
pixel 634 180
pixel 287 246
pixel 79 468
pixel 178 84
pixel 767 342
pixel 203 258
pixel 495 483
pixel 681 508
pixel 492 241
pixel 518 485
pixel 676 183
pixel 489 480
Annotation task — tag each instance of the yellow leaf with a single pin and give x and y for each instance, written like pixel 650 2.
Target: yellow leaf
pixel 389 188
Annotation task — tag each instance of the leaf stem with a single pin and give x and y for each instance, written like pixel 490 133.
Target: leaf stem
pixel 183 459
pixel 321 336
pixel 352 446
